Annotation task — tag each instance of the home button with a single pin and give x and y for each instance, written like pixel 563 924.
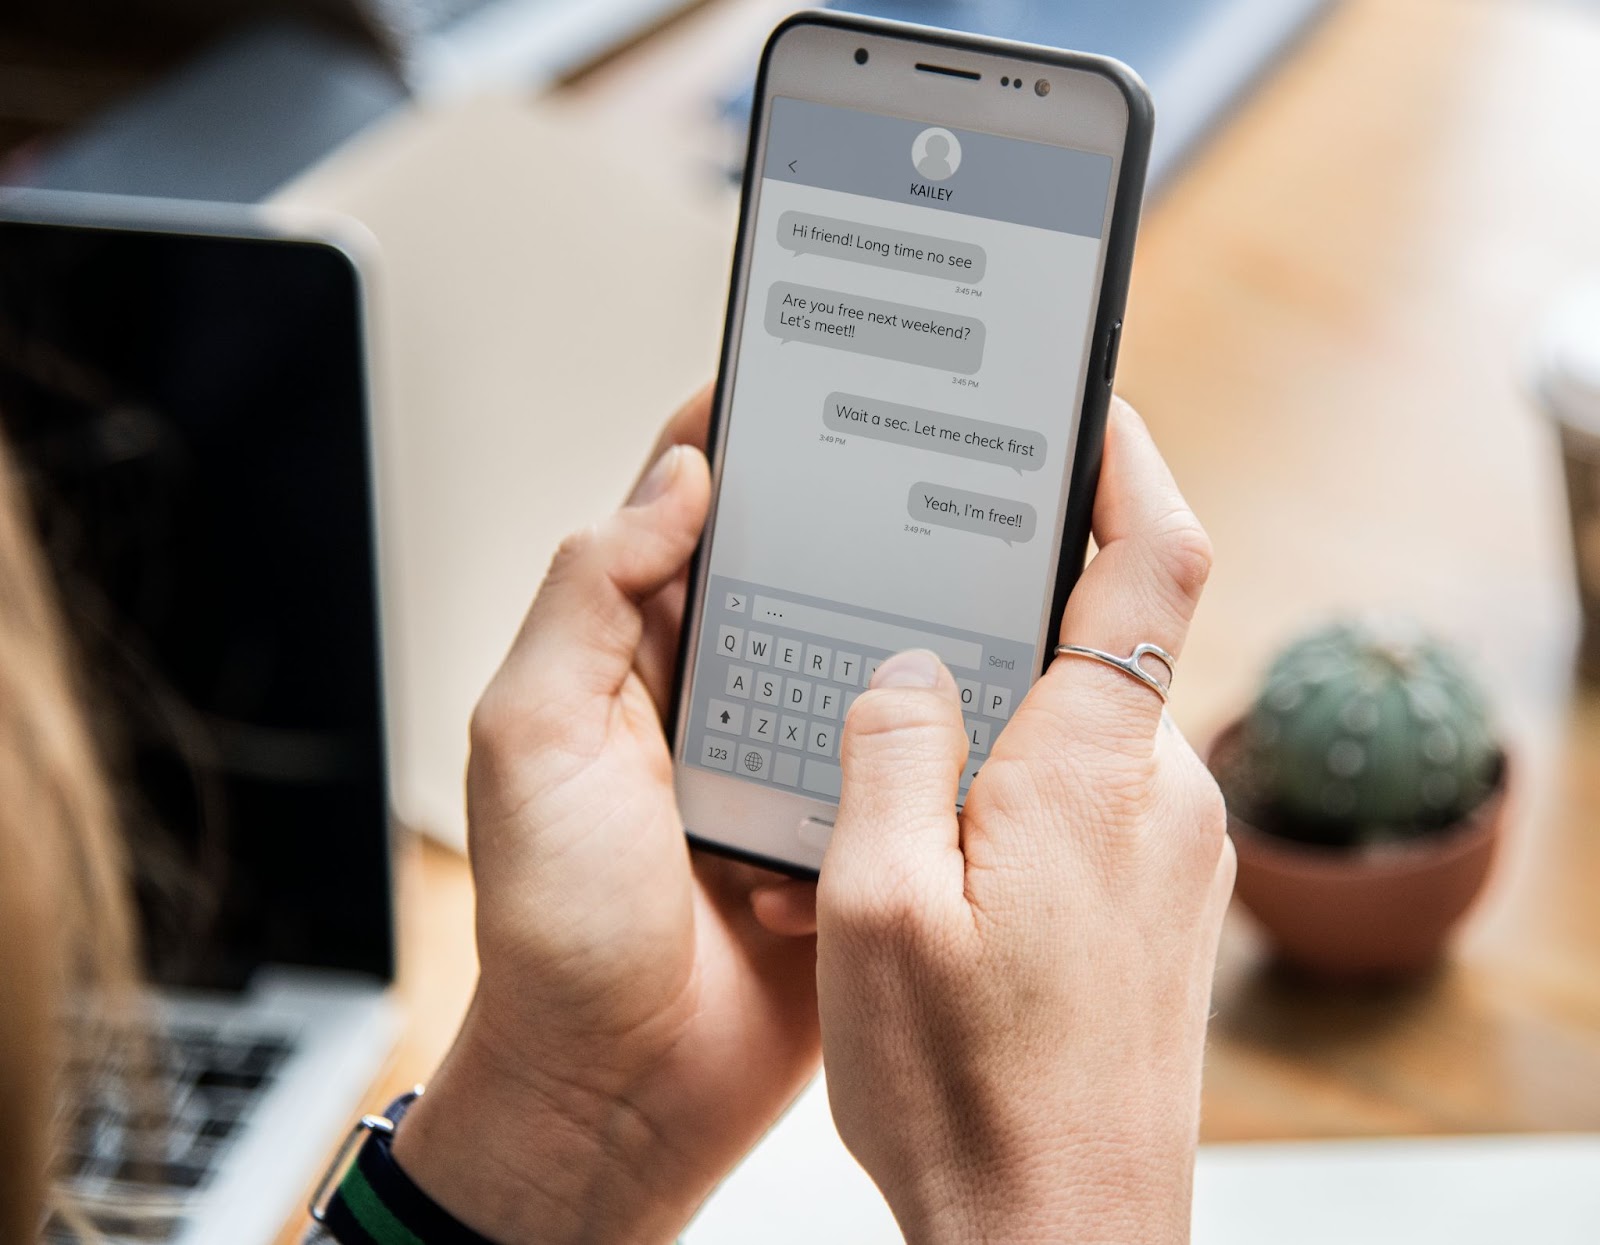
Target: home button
pixel 814 832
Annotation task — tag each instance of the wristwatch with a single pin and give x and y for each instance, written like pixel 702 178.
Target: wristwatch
pixel 375 1202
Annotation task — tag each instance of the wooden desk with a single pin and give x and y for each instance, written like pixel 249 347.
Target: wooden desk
pixel 1325 334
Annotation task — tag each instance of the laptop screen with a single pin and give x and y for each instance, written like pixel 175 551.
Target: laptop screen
pixel 189 418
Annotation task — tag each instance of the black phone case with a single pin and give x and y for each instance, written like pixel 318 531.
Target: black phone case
pixel 1101 373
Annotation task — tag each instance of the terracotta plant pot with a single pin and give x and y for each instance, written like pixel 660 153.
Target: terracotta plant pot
pixel 1381 911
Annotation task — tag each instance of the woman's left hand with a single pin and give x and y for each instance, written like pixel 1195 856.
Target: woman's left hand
pixel 641 1016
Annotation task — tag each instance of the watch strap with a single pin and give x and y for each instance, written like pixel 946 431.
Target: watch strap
pixel 376 1203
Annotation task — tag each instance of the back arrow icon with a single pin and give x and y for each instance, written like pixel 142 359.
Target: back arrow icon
pixel 791 166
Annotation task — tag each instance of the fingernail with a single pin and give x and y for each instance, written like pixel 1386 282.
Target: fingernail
pixel 917 668
pixel 658 479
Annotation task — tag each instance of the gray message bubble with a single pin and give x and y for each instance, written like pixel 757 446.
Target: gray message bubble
pixel 1001 517
pixel 871 326
pixel 806 234
pixel 975 439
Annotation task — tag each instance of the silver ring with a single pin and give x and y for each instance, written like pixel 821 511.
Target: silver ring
pixel 1130 664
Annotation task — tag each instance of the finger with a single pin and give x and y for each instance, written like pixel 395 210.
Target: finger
pixel 1227 873
pixel 902 751
pixel 786 908
pixel 582 634
pixel 688 426
pixel 730 882
pixel 663 613
pixel 657 660
pixel 1195 818
pixel 1141 588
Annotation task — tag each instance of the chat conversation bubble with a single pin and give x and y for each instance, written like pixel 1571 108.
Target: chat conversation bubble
pixel 871 326
pixel 1011 521
pixel 975 439
pixel 806 234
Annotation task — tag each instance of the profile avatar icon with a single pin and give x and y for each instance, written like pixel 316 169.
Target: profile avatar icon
pixel 936 153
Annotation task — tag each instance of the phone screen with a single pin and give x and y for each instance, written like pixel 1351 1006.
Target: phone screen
pixel 899 430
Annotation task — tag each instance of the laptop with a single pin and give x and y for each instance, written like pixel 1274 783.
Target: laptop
pixel 186 392
pixel 273 96
pixel 455 47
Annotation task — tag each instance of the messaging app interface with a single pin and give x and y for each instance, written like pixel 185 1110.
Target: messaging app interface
pixel 899 441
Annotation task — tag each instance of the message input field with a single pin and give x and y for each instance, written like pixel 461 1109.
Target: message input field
pixel 867 632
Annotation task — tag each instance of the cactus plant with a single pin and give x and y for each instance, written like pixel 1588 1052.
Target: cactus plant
pixel 1365 731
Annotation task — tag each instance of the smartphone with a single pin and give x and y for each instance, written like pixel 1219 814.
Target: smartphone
pixel 932 260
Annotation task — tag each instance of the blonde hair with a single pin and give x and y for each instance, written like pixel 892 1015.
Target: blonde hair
pixel 66 918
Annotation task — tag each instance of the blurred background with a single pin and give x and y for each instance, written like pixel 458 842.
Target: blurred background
pixel 1358 328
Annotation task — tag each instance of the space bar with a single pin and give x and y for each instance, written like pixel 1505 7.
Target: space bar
pixel 822 778
pixel 867 632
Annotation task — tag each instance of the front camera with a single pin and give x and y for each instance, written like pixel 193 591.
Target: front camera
pixel 1041 88
pixel 861 56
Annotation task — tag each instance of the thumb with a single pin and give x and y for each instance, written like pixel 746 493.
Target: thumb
pixel 582 633
pixel 902 751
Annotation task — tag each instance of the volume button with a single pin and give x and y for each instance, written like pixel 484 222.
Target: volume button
pixel 1113 341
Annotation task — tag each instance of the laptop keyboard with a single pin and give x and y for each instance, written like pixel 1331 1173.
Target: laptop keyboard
pixel 776 674
pixel 133 1163
pixel 426 17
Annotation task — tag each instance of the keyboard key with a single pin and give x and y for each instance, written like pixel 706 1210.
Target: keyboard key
pixel 119 1226
pixel 850 698
pixel 790 655
pixel 736 602
pixel 792 733
pixel 223 1078
pixel 825 702
pixel 822 778
pixel 730 641
pixel 996 702
pixel 272 1048
pixel 162 1175
pixel 717 753
pixel 797 695
pixel 872 668
pixel 261 1057
pixel 221 1104
pixel 739 680
pixel 754 762
pixel 725 716
pixel 971 771
pixel 819 661
pixel 786 769
pixel 769 688
pixel 978 735
pixel 847 668
pixel 820 739
pixel 971 694
pixel 758 648
pixel 764 725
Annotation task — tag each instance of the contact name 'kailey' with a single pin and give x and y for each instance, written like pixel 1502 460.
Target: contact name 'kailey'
pixel 926 190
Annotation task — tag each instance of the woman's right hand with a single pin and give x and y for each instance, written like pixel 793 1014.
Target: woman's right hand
pixel 1014 1001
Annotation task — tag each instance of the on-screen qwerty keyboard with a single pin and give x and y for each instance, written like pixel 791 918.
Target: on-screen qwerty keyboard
pixel 771 699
